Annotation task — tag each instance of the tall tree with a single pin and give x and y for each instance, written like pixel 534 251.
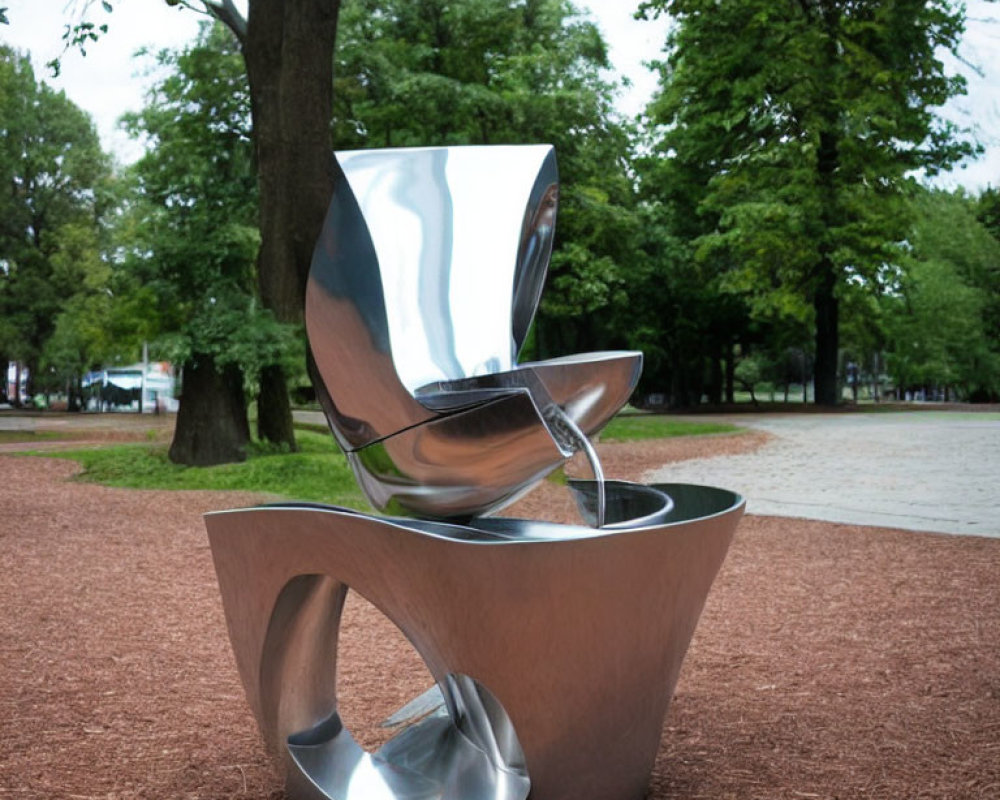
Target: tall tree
pixel 53 177
pixel 287 46
pixel 191 238
pixel 941 318
pixel 988 280
pixel 797 124
pixel 288 50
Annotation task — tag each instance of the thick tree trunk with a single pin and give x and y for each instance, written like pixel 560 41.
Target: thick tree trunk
pixel 289 58
pixel 730 357
pixel 686 382
pixel 827 340
pixel 825 300
pixel 274 413
pixel 212 426
pixel 805 377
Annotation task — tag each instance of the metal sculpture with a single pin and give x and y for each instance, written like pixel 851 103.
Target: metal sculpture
pixel 555 648
pixel 422 289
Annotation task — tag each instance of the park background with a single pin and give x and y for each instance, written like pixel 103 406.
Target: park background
pixel 834 659
pixel 765 217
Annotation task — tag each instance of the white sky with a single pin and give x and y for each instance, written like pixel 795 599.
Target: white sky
pixel 107 82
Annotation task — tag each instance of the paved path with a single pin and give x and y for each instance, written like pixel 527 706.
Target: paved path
pixel 924 471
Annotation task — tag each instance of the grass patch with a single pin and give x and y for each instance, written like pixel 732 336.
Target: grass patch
pixel 635 427
pixel 318 472
pixel 26 437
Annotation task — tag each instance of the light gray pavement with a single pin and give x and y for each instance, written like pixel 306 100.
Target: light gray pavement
pixel 922 471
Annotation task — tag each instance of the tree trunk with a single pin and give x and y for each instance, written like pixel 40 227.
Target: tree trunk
pixel 827 340
pixel 715 380
pixel 825 300
pixel 730 357
pixel 74 394
pixel 212 426
pixel 274 413
pixel 805 378
pixel 749 387
pixel 289 58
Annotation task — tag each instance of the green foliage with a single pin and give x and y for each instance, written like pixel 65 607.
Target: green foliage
pixel 55 193
pixel 987 276
pixel 636 427
pixel 26 437
pixel 93 327
pixel 189 233
pixel 940 323
pixel 787 132
pixel 317 472
pixel 474 71
pixel 750 372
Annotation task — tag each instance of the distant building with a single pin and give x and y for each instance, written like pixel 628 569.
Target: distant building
pixel 120 389
pixel 9 388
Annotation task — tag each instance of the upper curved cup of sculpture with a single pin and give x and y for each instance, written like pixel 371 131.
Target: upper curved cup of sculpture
pixel 422 289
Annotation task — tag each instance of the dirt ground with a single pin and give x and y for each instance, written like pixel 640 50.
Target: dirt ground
pixel 832 661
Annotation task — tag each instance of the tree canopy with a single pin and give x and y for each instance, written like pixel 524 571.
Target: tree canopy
pixel 54 196
pixel 789 131
pixel 940 321
pixel 764 222
pixel 189 236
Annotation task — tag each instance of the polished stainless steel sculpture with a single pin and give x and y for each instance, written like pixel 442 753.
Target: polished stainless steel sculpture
pixel 422 290
pixel 555 648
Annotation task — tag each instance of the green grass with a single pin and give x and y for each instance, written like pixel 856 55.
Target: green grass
pixel 19 437
pixel 634 427
pixel 318 472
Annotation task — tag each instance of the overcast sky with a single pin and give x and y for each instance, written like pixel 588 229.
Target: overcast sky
pixel 108 81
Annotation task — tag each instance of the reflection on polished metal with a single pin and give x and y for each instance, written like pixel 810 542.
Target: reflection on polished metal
pixel 422 289
pixel 554 648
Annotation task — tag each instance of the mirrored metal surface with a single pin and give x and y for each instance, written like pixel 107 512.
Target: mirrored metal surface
pixel 551 678
pixel 555 648
pixel 423 285
pixel 455 231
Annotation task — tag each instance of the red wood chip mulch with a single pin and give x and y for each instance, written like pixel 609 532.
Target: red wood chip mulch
pixel 832 661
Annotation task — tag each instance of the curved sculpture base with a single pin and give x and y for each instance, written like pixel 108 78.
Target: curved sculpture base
pixel 430 759
pixel 555 648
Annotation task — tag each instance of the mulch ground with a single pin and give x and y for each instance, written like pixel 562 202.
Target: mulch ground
pixel 831 661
